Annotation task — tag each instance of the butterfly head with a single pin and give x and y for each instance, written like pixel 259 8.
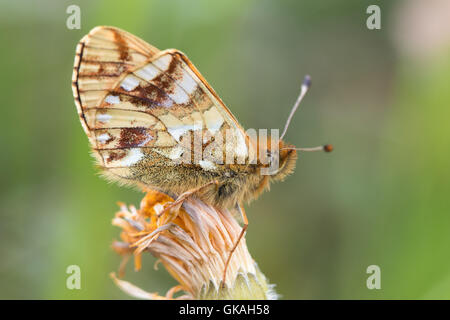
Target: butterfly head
pixel 287 156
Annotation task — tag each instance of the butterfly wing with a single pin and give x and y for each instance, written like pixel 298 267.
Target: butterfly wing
pixel 138 105
pixel 102 56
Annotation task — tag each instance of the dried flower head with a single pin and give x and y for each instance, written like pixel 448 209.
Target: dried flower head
pixel 193 242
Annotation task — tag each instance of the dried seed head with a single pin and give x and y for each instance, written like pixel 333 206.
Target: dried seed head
pixel 193 244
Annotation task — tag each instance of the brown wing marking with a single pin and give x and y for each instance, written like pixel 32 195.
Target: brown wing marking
pixel 102 56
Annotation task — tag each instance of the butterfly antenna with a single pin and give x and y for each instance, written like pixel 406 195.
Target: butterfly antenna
pixel 305 86
pixel 326 148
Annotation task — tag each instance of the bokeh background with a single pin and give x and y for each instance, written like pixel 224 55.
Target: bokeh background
pixel 380 96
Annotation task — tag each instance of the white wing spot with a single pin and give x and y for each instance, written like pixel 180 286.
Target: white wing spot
pixel 179 96
pixel 187 83
pixel 213 119
pixel 163 62
pixel 149 72
pixel 177 128
pixel 103 137
pixel 172 153
pixel 133 157
pixel 112 99
pixel 104 117
pixel 207 165
pixel 177 132
pixel 129 83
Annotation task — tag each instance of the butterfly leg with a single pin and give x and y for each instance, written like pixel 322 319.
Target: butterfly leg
pixel 244 228
pixel 182 197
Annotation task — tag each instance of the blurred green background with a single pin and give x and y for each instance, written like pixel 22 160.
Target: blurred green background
pixel 380 96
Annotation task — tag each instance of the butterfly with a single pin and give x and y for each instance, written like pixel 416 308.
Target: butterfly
pixel 144 109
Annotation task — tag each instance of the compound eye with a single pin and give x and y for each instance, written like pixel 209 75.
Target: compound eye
pixel 270 157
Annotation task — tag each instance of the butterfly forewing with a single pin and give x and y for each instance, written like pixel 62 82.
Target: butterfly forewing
pixel 138 104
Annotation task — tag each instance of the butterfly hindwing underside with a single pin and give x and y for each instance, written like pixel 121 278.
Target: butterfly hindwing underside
pixel 137 104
